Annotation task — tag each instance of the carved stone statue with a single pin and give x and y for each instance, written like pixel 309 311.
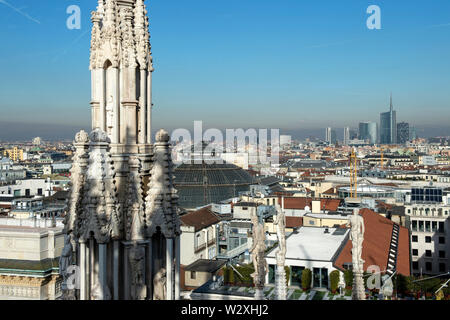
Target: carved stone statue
pixel 357 237
pixel 388 287
pixel 258 252
pixel 66 259
pixel 159 285
pixel 280 276
pixel 356 223
pixel 109 114
pixel 280 222
pixel 137 262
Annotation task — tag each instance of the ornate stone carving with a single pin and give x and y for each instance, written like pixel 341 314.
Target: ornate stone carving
pixel 101 210
pixel 162 199
pixel 78 171
pixel 66 259
pixel 357 237
pixel 142 35
pixel 109 116
pixel 162 136
pixel 107 197
pixel 137 262
pixel 98 135
pixel 280 222
pixel 257 252
pixel 128 57
pixel 159 285
pixel 82 137
pixel 135 219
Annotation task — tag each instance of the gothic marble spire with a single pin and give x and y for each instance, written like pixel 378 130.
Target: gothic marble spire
pixel 162 198
pixel 101 210
pixel 79 164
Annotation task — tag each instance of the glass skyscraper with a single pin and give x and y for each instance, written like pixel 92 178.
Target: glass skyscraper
pixel 388 126
pixel 368 132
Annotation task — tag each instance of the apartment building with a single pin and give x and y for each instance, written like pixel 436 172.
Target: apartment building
pixel 427 217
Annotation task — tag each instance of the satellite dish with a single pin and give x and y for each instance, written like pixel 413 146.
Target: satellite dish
pixel 307 208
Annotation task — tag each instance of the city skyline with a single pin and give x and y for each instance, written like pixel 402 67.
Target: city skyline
pixel 220 197
pixel 280 65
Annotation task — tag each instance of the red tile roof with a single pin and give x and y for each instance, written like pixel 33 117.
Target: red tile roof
pixel 300 203
pixel 200 219
pixel 330 191
pixel 377 239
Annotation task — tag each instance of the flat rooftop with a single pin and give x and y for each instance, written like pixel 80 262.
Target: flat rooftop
pixel 27 229
pixel 327 216
pixel 311 243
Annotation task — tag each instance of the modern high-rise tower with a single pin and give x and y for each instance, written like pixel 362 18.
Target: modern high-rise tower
pixel 346 136
pixel 388 126
pixel 368 132
pixel 403 132
pixel 328 135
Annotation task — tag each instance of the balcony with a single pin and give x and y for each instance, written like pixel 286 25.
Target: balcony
pixel 203 246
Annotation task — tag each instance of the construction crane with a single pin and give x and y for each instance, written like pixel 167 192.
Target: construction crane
pixel 353 175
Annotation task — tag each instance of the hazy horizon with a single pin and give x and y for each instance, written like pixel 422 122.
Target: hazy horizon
pixel 13 131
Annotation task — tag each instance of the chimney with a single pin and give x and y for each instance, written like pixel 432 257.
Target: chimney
pixel 316 206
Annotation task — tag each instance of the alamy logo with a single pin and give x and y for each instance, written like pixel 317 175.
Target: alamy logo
pixel 73 277
pixel 74 20
pixel 374 21
pixel 208 146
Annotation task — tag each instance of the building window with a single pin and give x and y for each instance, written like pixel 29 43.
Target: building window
pixel 271 274
pixel 428 253
pixel 415 265
pixel 415 239
pixel 193 275
pixel 414 225
pixel 427 226
pixel 428 239
pixel 296 275
pixel 442 267
pixel 441 254
pixel 421 226
pixel 311 222
pixel 428 266
pixel 434 226
pixel 441 240
pixel 415 252
pixel 441 227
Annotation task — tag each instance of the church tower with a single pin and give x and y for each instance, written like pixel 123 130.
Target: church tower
pixel 122 220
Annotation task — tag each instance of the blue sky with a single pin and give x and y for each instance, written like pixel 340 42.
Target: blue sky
pixel 289 64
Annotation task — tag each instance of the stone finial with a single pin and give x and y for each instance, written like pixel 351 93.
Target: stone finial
pixel 98 135
pixel 82 137
pixel 162 136
pixel 101 6
pixel 134 162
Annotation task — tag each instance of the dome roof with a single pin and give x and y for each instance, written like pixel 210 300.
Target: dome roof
pixel 201 184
